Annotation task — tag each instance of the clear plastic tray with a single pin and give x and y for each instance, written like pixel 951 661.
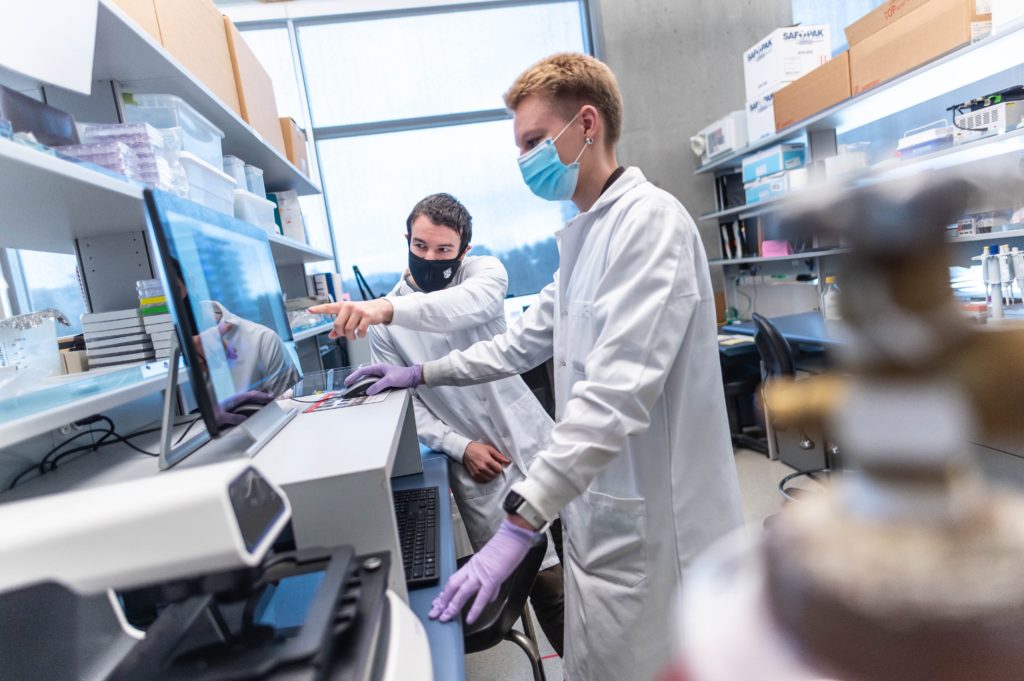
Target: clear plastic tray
pixel 254 180
pixel 235 167
pixel 255 210
pixel 207 185
pixel 198 135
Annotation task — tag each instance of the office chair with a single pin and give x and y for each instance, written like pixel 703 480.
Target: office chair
pixel 495 622
pixel 777 362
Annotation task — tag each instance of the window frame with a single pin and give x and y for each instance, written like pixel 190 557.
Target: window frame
pixel 326 133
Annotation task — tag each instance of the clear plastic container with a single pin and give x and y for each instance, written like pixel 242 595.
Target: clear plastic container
pixel 235 167
pixel 207 185
pixel 255 210
pixel 254 181
pixel 830 309
pixel 198 135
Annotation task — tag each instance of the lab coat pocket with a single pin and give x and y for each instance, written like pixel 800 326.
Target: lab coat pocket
pixel 477 490
pixel 580 334
pixel 531 428
pixel 609 537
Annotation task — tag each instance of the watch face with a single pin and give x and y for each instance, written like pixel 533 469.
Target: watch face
pixel 512 501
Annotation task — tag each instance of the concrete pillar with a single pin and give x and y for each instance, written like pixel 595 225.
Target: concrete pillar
pixel 679 65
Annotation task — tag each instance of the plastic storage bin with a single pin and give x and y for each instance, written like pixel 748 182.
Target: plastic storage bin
pixel 198 135
pixel 235 167
pixel 208 185
pixel 255 210
pixel 254 181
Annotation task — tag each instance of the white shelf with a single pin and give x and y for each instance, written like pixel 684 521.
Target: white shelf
pixel 954 70
pixel 126 53
pixel 807 255
pixel 742 212
pixel 48 202
pixel 65 399
pixel 291 252
pixel 980 160
pixel 315 331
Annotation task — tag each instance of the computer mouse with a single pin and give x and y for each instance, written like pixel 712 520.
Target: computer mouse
pixel 247 408
pixel 359 388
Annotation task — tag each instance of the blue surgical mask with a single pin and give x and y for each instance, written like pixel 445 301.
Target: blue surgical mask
pixel 544 172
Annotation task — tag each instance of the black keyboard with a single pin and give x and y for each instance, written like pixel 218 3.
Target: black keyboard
pixel 416 513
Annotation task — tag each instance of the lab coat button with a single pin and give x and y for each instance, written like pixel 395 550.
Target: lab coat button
pixel 562 363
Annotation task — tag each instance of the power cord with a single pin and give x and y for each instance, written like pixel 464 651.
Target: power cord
pixel 109 436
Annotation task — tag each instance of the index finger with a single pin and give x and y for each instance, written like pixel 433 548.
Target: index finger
pixel 499 457
pixel 326 308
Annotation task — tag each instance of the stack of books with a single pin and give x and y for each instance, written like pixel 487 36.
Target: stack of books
pixel 118 337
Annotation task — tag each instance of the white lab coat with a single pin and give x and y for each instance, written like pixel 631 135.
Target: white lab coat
pixel 504 414
pixel 640 462
pixel 259 359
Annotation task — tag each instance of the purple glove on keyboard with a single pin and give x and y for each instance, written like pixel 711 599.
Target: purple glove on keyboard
pixel 484 573
pixel 391 376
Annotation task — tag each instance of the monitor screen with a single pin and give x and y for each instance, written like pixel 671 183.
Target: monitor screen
pixel 226 300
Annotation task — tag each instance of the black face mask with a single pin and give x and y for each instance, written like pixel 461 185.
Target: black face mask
pixel 432 275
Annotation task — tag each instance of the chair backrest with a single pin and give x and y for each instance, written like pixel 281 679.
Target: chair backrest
pixel 498 617
pixel 776 353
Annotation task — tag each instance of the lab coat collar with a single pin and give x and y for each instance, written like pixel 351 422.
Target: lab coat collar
pixel 633 177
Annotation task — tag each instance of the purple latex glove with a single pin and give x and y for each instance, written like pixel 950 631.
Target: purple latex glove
pixel 391 376
pixel 222 412
pixel 484 573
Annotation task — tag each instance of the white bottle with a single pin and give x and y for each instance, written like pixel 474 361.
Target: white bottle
pixel 830 300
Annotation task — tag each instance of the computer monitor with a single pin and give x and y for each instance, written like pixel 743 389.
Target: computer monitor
pixel 232 325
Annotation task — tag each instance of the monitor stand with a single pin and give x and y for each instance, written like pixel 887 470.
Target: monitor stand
pixel 259 428
pixel 172 454
pixel 265 424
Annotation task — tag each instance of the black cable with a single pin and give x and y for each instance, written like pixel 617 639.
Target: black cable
pixel 182 436
pixel 42 465
pixel 46 464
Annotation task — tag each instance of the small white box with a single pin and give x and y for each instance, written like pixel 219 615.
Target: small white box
pixel 761 117
pixel 785 55
pixel 724 136
pixel 290 212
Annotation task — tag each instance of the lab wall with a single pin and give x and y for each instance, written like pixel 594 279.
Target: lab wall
pixel 679 65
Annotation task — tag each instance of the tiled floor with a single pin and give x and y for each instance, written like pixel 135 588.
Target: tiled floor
pixel 759 480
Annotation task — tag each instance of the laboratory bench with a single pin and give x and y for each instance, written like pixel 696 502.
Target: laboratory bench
pixel 338 468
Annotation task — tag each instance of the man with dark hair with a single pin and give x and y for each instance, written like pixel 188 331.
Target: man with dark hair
pixel 449 300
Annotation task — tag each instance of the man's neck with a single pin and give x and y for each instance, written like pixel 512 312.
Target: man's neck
pixel 592 180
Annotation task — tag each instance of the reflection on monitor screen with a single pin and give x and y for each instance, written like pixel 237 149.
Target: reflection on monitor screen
pixel 223 271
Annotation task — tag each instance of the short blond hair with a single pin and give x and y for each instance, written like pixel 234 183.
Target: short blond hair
pixel 568 81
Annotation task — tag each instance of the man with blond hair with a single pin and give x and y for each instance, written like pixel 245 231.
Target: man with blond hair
pixel 639 463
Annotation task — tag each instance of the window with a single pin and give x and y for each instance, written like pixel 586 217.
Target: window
pixel 429 64
pixel 476 163
pixel 409 103
pixel 47 280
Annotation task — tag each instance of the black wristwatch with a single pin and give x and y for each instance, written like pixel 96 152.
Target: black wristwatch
pixel 515 504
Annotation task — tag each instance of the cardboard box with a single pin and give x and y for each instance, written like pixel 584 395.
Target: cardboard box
pixel 775 160
pixel 783 56
pixel 927 32
pixel 295 144
pixel 255 89
pixel 143 12
pixel 888 12
pixel 761 118
pixel 193 31
pixel 825 86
